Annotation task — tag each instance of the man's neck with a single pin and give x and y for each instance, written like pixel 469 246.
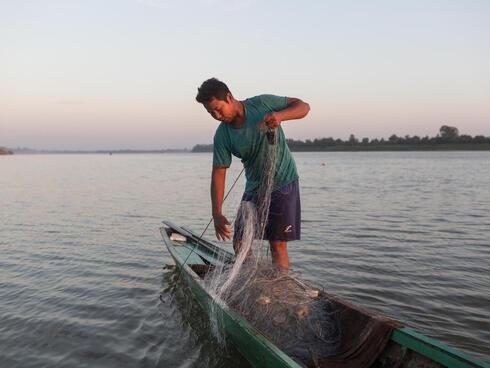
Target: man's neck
pixel 240 116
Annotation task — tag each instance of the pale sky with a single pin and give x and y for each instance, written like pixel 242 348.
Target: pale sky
pixel 113 74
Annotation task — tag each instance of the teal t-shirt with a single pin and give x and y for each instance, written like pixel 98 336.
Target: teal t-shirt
pixel 250 144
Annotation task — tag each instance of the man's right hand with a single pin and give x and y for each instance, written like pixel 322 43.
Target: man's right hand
pixel 222 227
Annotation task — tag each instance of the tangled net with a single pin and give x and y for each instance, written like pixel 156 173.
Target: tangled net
pixel 292 315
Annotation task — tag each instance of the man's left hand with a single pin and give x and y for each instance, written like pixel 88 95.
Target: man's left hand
pixel 272 120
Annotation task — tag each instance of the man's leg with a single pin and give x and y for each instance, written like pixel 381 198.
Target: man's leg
pixel 237 245
pixel 284 222
pixel 279 251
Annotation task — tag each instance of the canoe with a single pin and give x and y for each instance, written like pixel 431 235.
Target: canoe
pixel 404 348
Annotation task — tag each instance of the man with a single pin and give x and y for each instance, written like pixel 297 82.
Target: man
pixel 239 135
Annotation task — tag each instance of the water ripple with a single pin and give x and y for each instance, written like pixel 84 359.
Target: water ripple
pixel 405 234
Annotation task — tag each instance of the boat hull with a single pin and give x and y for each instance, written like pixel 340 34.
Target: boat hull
pixel 257 349
pixel 406 348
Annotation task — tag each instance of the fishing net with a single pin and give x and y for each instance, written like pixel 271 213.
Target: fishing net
pixel 288 312
pixel 310 327
pixel 273 300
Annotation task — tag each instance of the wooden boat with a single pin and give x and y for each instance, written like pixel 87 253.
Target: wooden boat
pixel 405 347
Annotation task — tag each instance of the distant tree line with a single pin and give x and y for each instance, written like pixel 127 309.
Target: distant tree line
pixel 5 151
pixel 448 138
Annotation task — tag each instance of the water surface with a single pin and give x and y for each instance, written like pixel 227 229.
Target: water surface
pixel 406 234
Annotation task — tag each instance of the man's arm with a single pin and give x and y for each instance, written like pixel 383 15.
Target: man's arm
pixel 221 224
pixel 296 109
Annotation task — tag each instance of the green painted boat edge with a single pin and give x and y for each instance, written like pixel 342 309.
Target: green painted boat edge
pixel 405 336
pixel 251 344
pixel 435 350
pixel 214 249
pixel 254 346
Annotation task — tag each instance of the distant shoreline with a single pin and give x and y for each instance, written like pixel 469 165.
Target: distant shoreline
pixel 28 151
pixel 387 148
pixel 439 147
pixel 5 152
pixel 448 139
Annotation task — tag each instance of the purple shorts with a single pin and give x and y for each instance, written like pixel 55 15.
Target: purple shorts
pixel 284 221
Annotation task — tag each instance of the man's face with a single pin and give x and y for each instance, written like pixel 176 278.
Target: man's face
pixel 221 110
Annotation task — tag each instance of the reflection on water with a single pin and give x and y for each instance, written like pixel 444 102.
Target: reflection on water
pixel 81 259
pixel 178 304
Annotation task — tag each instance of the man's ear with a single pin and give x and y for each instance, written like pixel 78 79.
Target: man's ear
pixel 229 97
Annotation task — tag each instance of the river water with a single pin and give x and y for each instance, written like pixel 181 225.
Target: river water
pixel 82 262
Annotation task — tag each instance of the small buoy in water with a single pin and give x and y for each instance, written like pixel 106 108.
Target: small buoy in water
pixel 302 311
pixel 323 163
pixel 263 300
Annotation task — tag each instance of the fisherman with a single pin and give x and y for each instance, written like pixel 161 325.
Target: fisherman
pixel 239 134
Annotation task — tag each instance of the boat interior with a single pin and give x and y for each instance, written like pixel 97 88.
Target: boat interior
pixel 366 336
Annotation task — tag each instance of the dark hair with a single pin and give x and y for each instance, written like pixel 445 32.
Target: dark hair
pixel 212 88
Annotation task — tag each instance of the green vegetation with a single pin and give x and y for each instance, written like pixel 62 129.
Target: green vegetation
pixel 447 139
pixel 5 151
